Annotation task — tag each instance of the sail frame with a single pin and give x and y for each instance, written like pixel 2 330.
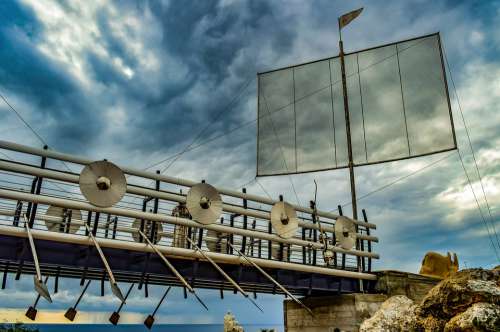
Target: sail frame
pixel 444 101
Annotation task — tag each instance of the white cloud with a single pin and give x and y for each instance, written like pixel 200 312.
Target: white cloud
pixel 428 211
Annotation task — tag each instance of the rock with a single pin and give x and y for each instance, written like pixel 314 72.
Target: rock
pixel 466 301
pixel 396 314
pixel 455 294
pixel 477 318
pixel 231 324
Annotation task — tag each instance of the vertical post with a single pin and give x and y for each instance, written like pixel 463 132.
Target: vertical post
pixel 62 225
pixel 115 223
pixel 103 277
pixel 303 248
pixel 96 222
pixel 189 235
pixel 108 222
pixel 269 242
pixel 4 278
pixel 32 191
pixel 368 242
pixel 231 236
pixel 259 250
pixel 254 222
pixel 89 219
pixel 343 255
pixel 155 210
pixel 141 227
pixel 245 224
pixel 56 281
pixel 68 221
pixel 17 214
pixel 312 205
pixel 37 192
pixel 200 237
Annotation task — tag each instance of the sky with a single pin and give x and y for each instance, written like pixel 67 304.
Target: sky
pixel 136 81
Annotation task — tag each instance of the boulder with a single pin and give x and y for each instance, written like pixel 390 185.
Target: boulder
pixel 467 301
pixel 458 292
pixel 395 314
pixel 477 318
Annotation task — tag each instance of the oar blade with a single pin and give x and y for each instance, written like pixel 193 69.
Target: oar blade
pixel 116 290
pixel 42 289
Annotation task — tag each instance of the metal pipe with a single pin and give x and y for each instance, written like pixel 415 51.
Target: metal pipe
pixel 131 189
pixel 79 222
pixel 9 194
pixel 165 178
pixel 180 252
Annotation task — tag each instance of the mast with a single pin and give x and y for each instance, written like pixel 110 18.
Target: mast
pixel 348 126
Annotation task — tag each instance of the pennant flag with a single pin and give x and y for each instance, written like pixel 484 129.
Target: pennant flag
pixel 347 18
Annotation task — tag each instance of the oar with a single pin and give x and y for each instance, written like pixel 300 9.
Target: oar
pixel 173 269
pixel 271 279
pixel 151 318
pixel 224 274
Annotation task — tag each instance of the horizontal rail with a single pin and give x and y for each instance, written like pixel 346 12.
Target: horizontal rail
pixel 41 199
pixel 165 178
pixel 131 189
pixel 176 252
pixel 125 229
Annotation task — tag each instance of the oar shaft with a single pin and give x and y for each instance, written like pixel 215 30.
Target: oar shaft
pixel 126 296
pixel 82 293
pixel 270 278
pixel 33 250
pixel 161 301
pixel 217 267
pixel 101 254
pixel 167 262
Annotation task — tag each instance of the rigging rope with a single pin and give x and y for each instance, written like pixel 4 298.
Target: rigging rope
pixel 471 148
pixel 30 127
pixel 478 206
pixel 396 181
pixel 202 131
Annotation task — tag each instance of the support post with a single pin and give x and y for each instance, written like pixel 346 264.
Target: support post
pixel 17 214
pixel 369 243
pixel 37 191
pixel 245 224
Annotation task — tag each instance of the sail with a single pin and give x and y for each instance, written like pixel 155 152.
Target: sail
pixel 398 105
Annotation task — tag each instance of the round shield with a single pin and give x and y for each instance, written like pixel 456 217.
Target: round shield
pixel 284 220
pixel 58 212
pixel 102 183
pixel 345 232
pixel 204 203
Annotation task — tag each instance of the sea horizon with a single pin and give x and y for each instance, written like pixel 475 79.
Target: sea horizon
pixel 157 327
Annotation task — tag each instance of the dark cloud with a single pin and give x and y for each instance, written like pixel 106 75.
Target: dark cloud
pixel 47 85
pixel 206 51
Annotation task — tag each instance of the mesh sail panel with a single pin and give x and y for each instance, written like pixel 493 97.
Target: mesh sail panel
pixel 398 108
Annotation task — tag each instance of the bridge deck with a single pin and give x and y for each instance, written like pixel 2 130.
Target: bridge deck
pixel 71 260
